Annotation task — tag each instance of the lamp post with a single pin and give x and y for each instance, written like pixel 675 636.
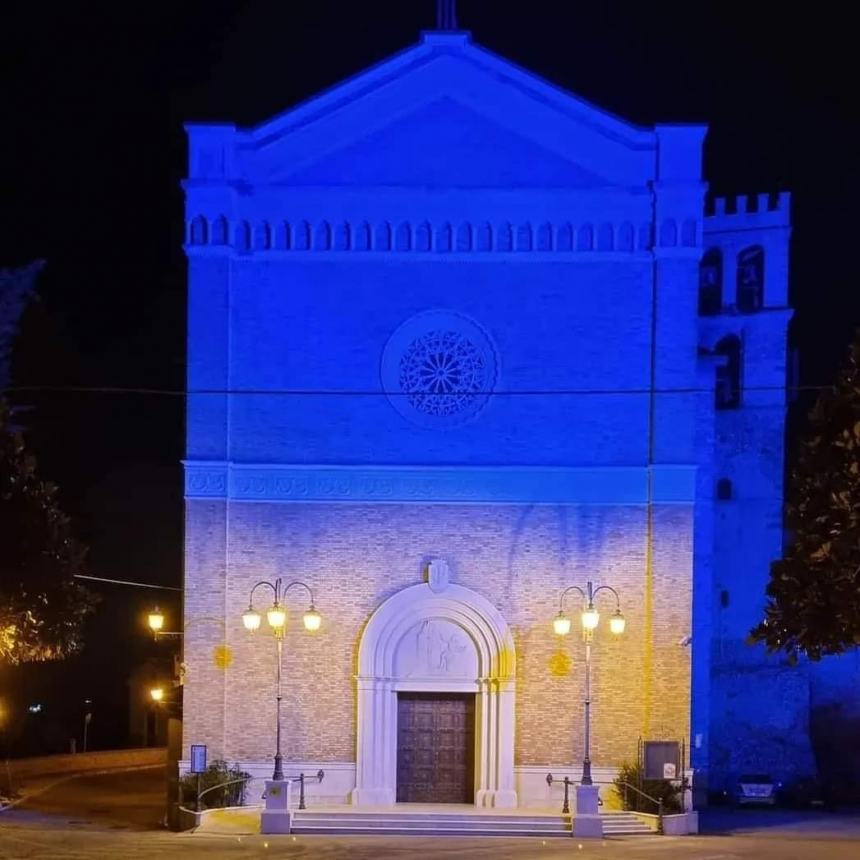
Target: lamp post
pixel 590 618
pixel 88 717
pixel 276 616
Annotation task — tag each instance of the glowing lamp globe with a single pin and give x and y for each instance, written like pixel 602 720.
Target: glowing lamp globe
pixel 251 619
pixel 617 623
pixel 312 620
pixel 590 618
pixel 277 617
pixel 157 694
pixel 155 620
pixel 561 624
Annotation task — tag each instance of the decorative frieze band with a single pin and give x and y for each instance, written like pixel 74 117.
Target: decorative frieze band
pixel 610 485
pixel 244 236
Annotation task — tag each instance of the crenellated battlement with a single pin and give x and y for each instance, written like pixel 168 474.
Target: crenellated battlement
pixel 747 211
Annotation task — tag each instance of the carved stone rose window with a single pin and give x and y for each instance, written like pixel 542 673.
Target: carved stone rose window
pixel 439 369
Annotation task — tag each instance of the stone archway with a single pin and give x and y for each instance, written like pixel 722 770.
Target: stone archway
pixel 436 637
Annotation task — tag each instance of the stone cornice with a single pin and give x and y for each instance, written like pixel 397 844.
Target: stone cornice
pixel 533 485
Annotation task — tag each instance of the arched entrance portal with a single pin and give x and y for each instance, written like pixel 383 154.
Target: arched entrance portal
pixel 436 638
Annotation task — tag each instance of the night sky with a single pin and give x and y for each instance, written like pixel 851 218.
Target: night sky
pixel 96 94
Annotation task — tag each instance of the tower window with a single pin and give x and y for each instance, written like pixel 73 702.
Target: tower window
pixel 711 283
pixel 728 390
pixel 751 279
pixel 219 231
pixel 724 489
pixel 199 231
pixel 724 599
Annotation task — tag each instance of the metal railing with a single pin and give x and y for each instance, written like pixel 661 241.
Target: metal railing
pixel 318 776
pixel 655 800
pixel 302 778
pixel 202 794
pixel 567 782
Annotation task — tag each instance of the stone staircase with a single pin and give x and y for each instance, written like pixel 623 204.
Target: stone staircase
pixel 438 823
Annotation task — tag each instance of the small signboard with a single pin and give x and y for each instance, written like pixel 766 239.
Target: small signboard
pixel 661 759
pixel 198 758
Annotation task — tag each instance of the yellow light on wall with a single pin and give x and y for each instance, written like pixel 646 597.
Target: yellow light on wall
pixel 561 624
pixel 312 620
pixel 277 617
pixel 617 623
pixel 155 620
pixel 251 619
pixel 157 694
pixel 590 618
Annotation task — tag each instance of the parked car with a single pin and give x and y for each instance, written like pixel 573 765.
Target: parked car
pixel 755 788
pixel 801 793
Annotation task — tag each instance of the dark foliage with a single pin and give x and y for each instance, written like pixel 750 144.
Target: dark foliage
pixel 17 289
pixel 813 603
pixel 660 789
pixel 228 781
pixel 42 607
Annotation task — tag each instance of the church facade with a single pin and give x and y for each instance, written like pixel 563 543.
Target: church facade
pixel 457 341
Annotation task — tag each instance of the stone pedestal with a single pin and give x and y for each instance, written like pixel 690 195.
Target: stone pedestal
pixel 587 823
pixel 276 817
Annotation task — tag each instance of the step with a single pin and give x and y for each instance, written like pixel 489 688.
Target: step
pixel 552 821
pixel 456 824
pixel 422 830
pixel 482 823
pixel 426 830
pixel 431 825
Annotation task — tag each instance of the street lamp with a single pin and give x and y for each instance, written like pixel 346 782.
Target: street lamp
pixel 276 616
pixel 589 618
pixel 155 620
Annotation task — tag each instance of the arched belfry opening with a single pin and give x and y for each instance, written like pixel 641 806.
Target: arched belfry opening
pixel 436 648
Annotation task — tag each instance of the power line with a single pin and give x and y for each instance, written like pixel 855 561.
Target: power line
pixel 127 582
pixel 349 392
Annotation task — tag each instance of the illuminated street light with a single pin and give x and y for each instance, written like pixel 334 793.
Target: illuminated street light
pixel 155 620
pixel 312 620
pixel 276 615
pixel 157 694
pixel 561 624
pixel 590 619
pixel 252 619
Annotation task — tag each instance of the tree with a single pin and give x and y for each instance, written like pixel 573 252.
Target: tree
pixel 42 607
pixel 17 288
pixel 813 603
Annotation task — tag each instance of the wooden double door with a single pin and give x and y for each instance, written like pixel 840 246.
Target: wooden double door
pixel 435 748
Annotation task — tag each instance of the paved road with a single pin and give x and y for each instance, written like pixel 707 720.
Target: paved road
pixel 117 816
pixel 131 800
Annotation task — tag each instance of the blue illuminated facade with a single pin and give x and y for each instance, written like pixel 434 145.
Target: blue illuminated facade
pixel 449 309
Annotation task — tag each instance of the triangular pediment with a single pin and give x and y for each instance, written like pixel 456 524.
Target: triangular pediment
pixel 446 114
pixel 443 144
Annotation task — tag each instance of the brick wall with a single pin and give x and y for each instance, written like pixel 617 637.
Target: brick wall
pixel 519 557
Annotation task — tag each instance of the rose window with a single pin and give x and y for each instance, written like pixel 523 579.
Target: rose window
pixel 439 368
pixel 442 373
